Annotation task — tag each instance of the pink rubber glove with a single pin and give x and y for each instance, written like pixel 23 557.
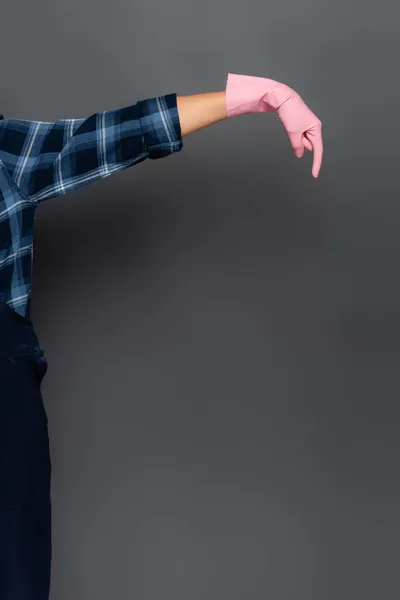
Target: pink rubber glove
pixel 245 94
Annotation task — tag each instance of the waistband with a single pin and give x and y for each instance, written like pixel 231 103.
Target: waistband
pixel 17 334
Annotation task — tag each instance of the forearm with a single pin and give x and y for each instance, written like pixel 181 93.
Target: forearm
pixel 201 110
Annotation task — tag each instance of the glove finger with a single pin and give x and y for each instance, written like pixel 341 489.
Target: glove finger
pixel 307 144
pixel 315 136
pixel 296 139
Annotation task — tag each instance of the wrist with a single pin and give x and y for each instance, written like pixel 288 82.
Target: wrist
pixel 201 110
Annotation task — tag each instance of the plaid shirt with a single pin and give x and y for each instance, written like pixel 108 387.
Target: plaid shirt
pixel 43 160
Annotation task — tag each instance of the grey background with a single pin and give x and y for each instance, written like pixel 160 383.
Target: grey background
pixel 223 332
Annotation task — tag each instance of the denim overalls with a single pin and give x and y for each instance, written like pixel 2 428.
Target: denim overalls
pixel 25 508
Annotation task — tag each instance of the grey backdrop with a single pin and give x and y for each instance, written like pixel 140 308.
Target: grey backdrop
pixel 223 332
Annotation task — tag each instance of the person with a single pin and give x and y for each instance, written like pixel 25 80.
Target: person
pixel 39 161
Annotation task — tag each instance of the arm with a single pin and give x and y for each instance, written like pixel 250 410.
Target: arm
pixel 50 159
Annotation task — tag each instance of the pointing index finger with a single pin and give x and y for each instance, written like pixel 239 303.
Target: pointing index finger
pixel 315 138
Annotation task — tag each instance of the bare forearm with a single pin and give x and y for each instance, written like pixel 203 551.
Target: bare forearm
pixel 201 110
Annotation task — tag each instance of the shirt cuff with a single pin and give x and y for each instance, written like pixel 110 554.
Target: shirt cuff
pixel 161 129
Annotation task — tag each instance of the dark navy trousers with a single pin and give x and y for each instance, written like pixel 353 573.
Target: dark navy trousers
pixel 25 508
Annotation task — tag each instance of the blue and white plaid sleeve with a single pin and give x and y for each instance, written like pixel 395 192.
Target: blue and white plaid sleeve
pixel 50 159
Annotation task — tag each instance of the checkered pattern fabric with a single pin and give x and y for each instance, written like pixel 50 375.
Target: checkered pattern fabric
pixel 41 160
